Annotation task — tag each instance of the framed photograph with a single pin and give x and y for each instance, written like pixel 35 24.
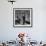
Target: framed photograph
pixel 22 17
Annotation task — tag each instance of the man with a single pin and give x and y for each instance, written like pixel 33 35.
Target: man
pixel 23 19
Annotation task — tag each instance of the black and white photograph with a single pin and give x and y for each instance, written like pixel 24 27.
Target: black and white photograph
pixel 22 16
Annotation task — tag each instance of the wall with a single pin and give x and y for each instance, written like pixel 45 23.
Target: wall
pixel 37 32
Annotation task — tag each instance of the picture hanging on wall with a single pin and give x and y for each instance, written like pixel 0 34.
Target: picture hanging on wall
pixel 22 17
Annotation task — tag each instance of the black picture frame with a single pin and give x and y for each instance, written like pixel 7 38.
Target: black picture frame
pixel 19 20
